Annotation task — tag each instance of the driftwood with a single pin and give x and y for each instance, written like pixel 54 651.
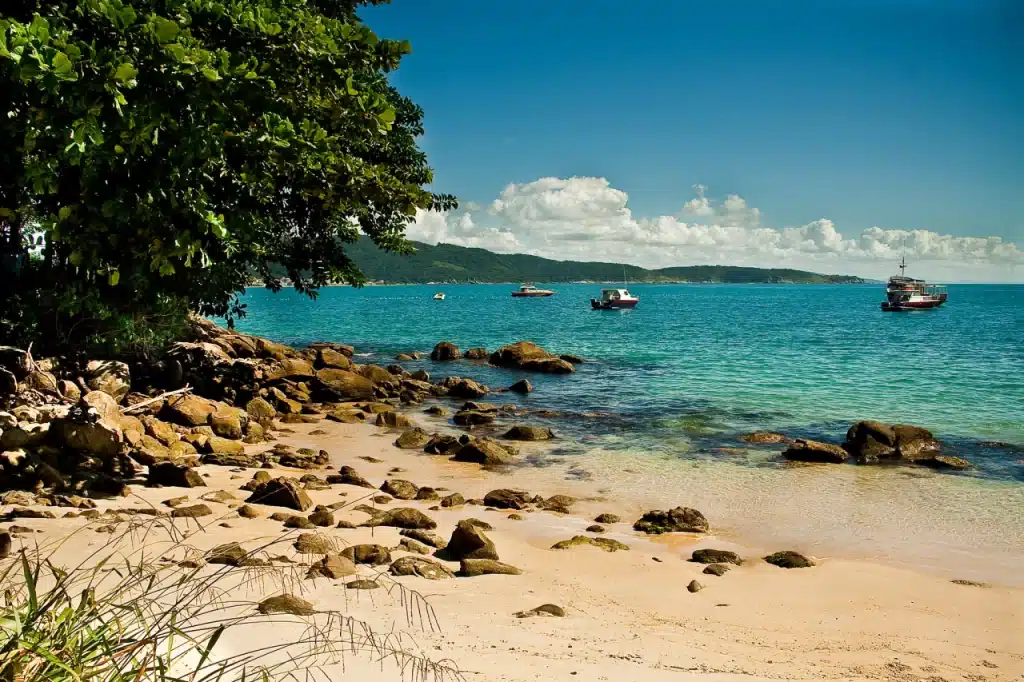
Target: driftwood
pixel 136 406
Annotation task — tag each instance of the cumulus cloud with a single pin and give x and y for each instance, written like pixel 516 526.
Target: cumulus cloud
pixel 583 218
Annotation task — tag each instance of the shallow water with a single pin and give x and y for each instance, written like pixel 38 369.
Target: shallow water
pixel 657 414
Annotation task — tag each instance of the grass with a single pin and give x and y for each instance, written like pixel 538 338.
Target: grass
pixel 129 612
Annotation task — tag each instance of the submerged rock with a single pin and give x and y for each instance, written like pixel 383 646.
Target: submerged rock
pixel 445 351
pixel 815 451
pixel 522 386
pixel 529 433
pixel 529 356
pixel 765 437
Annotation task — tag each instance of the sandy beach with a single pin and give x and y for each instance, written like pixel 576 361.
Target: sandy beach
pixel 628 614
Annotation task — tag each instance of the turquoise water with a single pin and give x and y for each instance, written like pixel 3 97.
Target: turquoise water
pixel 695 366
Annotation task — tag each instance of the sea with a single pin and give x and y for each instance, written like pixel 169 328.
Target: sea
pixel 668 389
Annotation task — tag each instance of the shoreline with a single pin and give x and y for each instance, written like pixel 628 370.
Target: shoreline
pixel 841 619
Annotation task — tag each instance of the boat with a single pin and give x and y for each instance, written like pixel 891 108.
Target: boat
pixel 530 291
pixel 439 296
pixel 614 299
pixel 904 293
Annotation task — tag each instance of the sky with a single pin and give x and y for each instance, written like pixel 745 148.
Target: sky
pixel 822 134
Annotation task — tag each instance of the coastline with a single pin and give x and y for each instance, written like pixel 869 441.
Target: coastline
pixel 628 614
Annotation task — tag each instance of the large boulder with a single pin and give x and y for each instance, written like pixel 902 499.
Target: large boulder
pixel 260 410
pixel 476 354
pixel 281 492
pixel 678 520
pixel 815 451
pixel 296 369
pixel 229 422
pixel 472 418
pixel 445 351
pixel 329 357
pixel 100 437
pixel 189 410
pixel 915 443
pixel 333 566
pixel 459 387
pixel 109 376
pixel 378 375
pixel 343 385
pixel 869 441
pixel 483 451
pixel 103 405
pixel 374 555
pixel 469 542
pixel 529 356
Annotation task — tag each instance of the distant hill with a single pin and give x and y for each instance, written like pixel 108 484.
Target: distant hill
pixel 446 263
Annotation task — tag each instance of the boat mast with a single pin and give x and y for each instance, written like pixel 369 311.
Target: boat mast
pixel 903 259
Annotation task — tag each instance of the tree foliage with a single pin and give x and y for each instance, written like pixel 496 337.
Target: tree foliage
pixel 157 153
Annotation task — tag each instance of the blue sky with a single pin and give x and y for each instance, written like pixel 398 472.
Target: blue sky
pixel 906 115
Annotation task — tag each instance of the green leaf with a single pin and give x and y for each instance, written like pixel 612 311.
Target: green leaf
pixel 165 30
pixel 211 74
pixel 61 64
pixel 114 278
pixel 125 73
pixel 388 115
pixel 64 213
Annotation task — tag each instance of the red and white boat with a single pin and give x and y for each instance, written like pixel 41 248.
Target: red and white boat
pixel 904 293
pixel 530 291
pixel 614 299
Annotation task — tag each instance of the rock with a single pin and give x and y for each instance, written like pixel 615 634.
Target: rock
pixel 437 411
pixel 349 476
pixel 477 523
pixel 69 390
pixel 543 610
pixel 160 430
pixel 476 353
pixel 330 358
pixel 410 545
pixel 374 555
pixel 227 423
pixel 400 489
pixel 870 441
pixel 192 512
pixel 101 438
pixel 469 542
pixel 393 420
pixel 453 500
pixel 815 451
pixel 595 528
pixel 362 584
pixel 465 388
pixel 113 378
pixel 471 568
pixel 523 432
pixel 259 410
pixel 5 544
pixel 176 501
pixel 224 446
pixel 607 544
pixel 189 410
pixel 413 439
pixel 281 492
pixel 230 554
pixel 427 494
pixel 678 520
pixel 694 586
pixel 531 357
pixel 249 512
pixel 472 418
pixel 914 443
pixel 295 369
pixel 322 517
pixel 404 517
pixel 558 503
pixel 343 385
pixel 219 496
pixel 426 537
pixel 764 437
pixel 445 352
pixel 715 556
pixel 606 518
pixel 314 543
pixel 522 386
pixel 286 603
pixel 484 451
pixel 442 445
pixel 716 569
pixel 333 566
pixel 174 475
pixel 789 559
pixel 504 498
pixel 419 566
pixel 944 462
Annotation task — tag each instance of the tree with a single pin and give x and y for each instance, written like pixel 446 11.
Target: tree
pixel 156 154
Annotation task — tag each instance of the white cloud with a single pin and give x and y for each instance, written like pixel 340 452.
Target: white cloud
pixel 584 218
